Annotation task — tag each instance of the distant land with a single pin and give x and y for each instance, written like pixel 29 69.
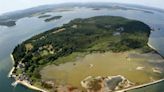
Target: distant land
pixel 52 18
pixel 7 19
pixel 7 23
pixel 44 16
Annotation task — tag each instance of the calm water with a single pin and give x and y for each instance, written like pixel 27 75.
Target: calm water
pixel 27 27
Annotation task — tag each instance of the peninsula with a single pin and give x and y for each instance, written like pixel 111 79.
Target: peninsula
pixel 111 50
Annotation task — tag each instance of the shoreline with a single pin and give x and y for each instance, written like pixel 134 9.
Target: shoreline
pixel 13 68
pixel 29 85
pixel 24 83
pixel 155 50
pixel 151 47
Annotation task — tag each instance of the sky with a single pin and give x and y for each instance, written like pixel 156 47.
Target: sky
pixel 12 5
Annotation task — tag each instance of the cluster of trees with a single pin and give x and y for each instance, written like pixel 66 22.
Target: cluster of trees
pixel 87 34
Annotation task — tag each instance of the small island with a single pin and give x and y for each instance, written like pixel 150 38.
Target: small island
pixel 8 23
pixel 52 18
pixel 44 16
pixel 97 53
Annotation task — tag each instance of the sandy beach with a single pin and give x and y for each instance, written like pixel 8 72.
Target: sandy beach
pixel 151 46
pixel 29 86
pixel 10 73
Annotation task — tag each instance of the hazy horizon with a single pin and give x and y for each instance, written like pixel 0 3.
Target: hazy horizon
pixel 9 6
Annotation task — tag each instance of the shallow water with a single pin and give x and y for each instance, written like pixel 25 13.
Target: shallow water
pixel 27 27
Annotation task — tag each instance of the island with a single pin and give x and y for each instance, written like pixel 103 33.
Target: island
pixel 8 23
pixel 52 18
pixel 44 16
pixel 92 54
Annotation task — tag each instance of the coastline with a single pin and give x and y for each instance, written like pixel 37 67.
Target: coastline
pixel 25 83
pixel 155 50
pixel 152 48
pixel 13 68
pixel 29 85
